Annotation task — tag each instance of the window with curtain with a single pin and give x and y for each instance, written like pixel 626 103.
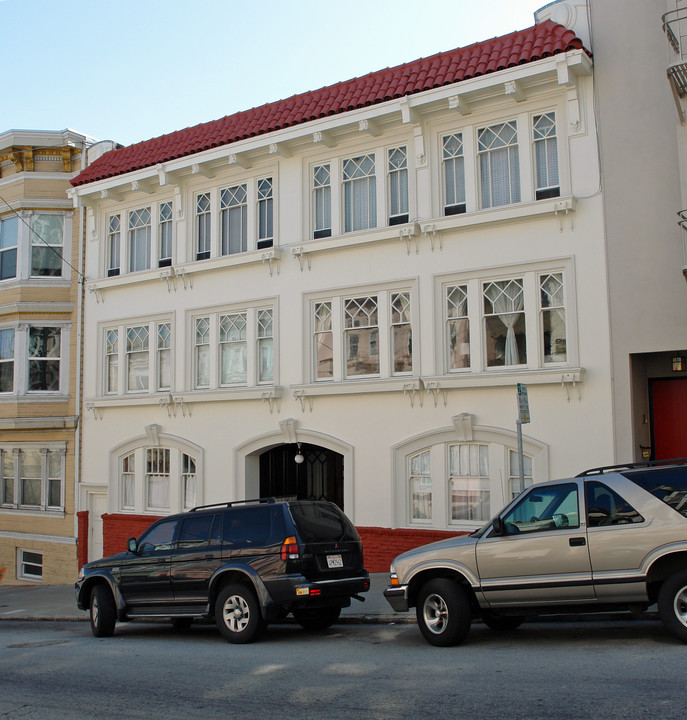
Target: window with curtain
pixel 164 356
pixel 139 239
pixel 47 245
pixel 420 487
pixel 201 352
pixel 137 358
pixel 398 185
pixel 233 351
pixel 457 327
pixel 504 318
pixel 188 480
pixel 516 487
pixel 113 244
pixel 233 218
pixel 360 193
pixel 499 164
pixel 165 229
pixel 469 482
pixel 454 174
pixel 203 225
pixel 553 317
pixel 157 478
pixel 265 346
pixel 546 156
pixel 33 476
pixel 322 201
pixel 128 481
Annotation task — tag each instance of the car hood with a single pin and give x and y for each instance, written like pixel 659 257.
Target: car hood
pixel 460 550
pixel 109 560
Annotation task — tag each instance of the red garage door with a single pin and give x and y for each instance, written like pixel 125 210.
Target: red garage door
pixel 669 418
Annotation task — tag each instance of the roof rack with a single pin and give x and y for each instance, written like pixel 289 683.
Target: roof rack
pixel 632 466
pixel 267 501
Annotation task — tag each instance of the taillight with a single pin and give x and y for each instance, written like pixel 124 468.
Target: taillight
pixel 289 549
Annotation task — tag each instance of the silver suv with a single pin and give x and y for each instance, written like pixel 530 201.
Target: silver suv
pixel 611 538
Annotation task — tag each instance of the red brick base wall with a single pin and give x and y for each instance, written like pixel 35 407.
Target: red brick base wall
pixel 82 538
pixel 118 528
pixel 380 545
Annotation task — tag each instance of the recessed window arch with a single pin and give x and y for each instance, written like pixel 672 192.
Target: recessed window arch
pixel 457 478
pixel 157 473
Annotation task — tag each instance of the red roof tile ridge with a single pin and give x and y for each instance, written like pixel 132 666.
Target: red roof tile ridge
pixel 442 68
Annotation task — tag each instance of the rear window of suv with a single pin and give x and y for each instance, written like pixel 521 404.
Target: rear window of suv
pixel 318 522
pixel 261 525
pixel 669 485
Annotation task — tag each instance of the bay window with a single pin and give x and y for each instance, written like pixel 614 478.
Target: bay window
pixel 33 476
pixel 9 239
pixel 47 245
pixel 499 164
pixel 360 193
pixel 546 156
pixel 233 218
pixel 139 239
pixel 322 201
pixel 398 185
pixel 454 174
pixel 504 320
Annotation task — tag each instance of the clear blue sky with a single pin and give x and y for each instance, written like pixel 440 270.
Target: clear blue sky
pixel 128 70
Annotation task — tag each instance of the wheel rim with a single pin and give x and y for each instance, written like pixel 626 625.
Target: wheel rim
pixel 236 613
pixel 95 611
pixel 435 613
pixel 680 605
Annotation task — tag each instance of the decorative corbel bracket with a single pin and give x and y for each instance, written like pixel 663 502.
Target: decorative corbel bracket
pixel 300 255
pixel 179 402
pixel 429 230
pixel 370 127
pixel 170 278
pixel 271 258
pixel 322 136
pixel 187 280
pixel 97 412
pixel 570 382
pixel 271 398
pixel 407 235
pixel 303 399
pixel 564 209
pixel 434 389
pixel 412 389
pixel 168 404
pixel 97 292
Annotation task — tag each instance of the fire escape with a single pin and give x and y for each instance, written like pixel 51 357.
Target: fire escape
pixel 675 28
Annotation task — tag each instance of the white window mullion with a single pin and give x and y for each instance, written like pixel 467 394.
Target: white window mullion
pixel 252 215
pixel 531 291
pixel 384 333
pixel 251 345
pixel 527 171
pixel 338 346
pixel 471 172
pixel 336 195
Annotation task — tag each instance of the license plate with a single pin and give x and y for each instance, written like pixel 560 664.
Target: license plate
pixel 334 561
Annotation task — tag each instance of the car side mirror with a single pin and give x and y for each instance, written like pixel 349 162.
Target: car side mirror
pixel 498 526
pixel 132 545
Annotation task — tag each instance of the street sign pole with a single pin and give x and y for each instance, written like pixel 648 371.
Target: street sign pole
pixel 523 417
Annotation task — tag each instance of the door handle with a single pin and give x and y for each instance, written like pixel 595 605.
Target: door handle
pixel 577 541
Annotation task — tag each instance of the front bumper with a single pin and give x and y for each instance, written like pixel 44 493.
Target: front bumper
pixel 397 597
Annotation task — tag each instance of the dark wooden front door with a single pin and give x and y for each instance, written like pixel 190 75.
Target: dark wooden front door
pixel 318 477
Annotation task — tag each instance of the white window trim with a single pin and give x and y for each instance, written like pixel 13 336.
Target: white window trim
pixel 153 371
pixel 138 446
pixel 21 575
pixel 252 344
pixel 437 441
pixel 529 274
pixel 25 246
pixel 337 298
pixel 14 449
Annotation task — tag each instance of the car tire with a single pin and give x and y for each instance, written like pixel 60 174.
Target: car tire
pixel 103 614
pixel 238 615
pixel 672 604
pixel 502 623
pixel 443 612
pixel 316 619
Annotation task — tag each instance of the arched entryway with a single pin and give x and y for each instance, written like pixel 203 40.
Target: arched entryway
pixel 318 477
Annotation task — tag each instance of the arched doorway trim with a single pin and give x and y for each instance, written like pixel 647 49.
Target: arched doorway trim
pixel 247 459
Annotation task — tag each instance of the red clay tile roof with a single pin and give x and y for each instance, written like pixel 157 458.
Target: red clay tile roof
pixel 517 48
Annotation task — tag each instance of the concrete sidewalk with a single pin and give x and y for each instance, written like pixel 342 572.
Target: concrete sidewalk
pixel 58 602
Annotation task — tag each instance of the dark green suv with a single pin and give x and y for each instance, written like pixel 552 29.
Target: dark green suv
pixel 242 564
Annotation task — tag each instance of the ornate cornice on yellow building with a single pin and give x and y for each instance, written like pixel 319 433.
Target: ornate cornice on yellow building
pixel 24 157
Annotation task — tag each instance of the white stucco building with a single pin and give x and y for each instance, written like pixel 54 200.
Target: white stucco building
pixel 361 276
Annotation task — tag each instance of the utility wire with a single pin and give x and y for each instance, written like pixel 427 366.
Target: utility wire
pixel 45 242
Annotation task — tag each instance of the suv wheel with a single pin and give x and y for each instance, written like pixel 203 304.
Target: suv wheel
pixel 237 614
pixel 316 618
pixel 672 604
pixel 443 612
pixel 501 623
pixel 102 611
